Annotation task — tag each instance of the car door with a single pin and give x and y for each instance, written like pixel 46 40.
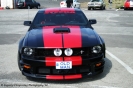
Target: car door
pixel 21 3
pixel 29 3
pixel 34 3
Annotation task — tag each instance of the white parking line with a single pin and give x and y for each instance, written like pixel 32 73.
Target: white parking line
pixel 110 19
pixel 129 69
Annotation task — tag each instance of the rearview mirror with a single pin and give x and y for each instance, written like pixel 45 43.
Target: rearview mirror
pixel 92 21
pixel 27 23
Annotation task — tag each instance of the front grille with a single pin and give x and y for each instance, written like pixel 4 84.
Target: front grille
pixel 44 52
pixel 74 70
pixel 82 52
pixel 76 52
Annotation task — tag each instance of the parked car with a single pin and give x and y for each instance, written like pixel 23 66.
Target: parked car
pixel 128 4
pixel 75 4
pixel 28 4
pixel 61 44
pixel 94 4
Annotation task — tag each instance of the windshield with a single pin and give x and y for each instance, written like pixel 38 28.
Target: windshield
pixel 21 0
pixel 77 18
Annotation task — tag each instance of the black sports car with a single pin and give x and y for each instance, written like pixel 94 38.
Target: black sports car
pixel 61 44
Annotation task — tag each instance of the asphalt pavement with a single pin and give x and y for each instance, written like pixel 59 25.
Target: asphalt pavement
pixel 116 28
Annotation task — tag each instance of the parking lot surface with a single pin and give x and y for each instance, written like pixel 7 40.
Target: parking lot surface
pixel 116 28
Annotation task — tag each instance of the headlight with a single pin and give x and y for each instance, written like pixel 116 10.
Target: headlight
pixel 28 51
pixel 68 52
pixel 57 52
pixel 96 49
pixel 89 3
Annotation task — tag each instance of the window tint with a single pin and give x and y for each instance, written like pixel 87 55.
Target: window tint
pixel 21 0
pixel 77 18
pixel 33 1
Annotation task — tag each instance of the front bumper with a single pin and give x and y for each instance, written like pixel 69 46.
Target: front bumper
pixel 128 7
pixel 39 68
pixel 94 6
pixel 19 6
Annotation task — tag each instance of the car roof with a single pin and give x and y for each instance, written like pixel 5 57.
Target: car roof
pixel 59 9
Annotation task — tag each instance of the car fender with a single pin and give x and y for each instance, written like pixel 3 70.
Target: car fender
pixel 100 39
pixel 127 4
pixel 20 45
pixel 104 47
pixel 23 42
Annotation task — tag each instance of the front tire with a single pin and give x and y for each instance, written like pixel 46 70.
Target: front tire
pixel 102 8
pixel 38 7
pixel 89 8
pixel 125 8
pixel 28 7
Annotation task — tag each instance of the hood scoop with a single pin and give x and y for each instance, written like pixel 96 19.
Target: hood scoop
pixel 61 30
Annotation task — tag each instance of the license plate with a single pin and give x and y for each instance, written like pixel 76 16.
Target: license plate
pixel 63 64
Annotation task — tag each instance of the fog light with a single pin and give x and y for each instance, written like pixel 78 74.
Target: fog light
pixel 68 52
pixel 98 64
pixel 27 66
pixel 57 52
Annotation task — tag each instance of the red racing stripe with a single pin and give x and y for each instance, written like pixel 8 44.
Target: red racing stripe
pixel 76 60
pixel 77 76
pixel 67 10
pixel 51 61
pixel 54 77
pixel 73 39
pixel 51 39
pixel 53 10
pixel 59 10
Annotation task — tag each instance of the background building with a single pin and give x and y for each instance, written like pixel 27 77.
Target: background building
pixel 8 3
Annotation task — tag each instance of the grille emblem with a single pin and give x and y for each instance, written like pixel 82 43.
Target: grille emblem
pixel 81 51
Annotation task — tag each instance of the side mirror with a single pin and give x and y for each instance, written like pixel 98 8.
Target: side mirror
pixel 92 21
pixel 27 23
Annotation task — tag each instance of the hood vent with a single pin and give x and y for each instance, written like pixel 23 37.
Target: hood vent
pixel 61 30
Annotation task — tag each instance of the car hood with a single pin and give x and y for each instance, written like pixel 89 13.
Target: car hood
pixel 72 37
